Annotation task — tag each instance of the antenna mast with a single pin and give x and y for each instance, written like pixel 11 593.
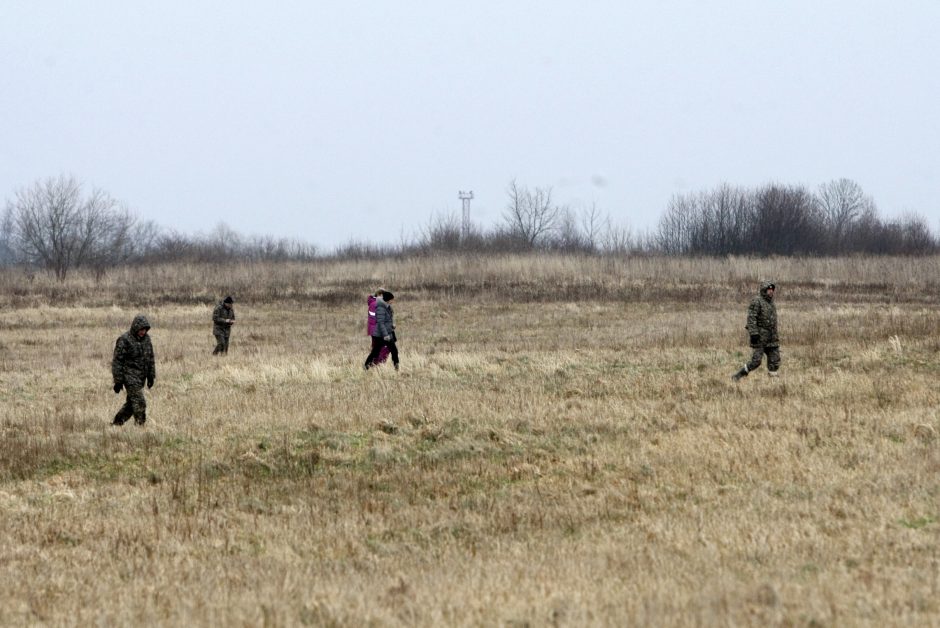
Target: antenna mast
pixel 466 197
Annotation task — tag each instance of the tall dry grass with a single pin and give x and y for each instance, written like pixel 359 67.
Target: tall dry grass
pixel 550 277
pixel 565 461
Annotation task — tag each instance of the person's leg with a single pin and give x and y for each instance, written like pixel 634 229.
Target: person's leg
pixel 126 412
pixel 377 345
pixel 756 357
pixel 219 342
pixel 225 338
pixel 382 356
pixel 393 349
pixel 773 360
pixel 135 396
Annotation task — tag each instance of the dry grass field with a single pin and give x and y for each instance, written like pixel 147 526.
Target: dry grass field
pixel 563 446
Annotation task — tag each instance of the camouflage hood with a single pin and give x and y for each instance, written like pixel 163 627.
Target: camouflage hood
pixel 764 287
pixel 140 322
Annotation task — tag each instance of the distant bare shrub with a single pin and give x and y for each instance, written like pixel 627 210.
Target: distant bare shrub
pixel 223 244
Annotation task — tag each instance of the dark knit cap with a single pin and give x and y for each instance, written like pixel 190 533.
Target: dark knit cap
pixel 228 299
pixel 388 296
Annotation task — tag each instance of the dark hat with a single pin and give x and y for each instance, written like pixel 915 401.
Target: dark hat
pixel 228 299
pixel 388 296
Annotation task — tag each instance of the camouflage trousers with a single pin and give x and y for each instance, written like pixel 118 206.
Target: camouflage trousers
pixel 135 406
pixel 773 358
pixel 221 341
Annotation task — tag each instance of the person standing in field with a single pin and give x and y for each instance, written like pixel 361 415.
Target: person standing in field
pixel 762 329
pixel 223 317
pixel 384 333
pixel 370 325
pixel 131 367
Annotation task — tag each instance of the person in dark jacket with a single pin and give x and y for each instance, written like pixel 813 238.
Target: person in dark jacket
pixel 384 333
pixel 370 325
pixel 131 367
pixel 762 329
pixel 223 317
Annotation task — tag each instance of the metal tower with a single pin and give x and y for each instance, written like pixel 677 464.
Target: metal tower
pixel 466 197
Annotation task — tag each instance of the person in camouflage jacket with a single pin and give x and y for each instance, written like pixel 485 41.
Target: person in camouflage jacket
pixel 223 317
pixel 762 329
pixel 131 367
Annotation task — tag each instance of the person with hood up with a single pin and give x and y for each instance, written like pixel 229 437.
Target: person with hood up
pixel 223 317
pixel 384 333
pixel 131 367
pixel 762 329
pixel 370 324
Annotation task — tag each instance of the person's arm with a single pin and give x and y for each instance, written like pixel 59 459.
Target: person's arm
pixel 382 321
pixel 117 361
pixel 151 364
pixel 752 329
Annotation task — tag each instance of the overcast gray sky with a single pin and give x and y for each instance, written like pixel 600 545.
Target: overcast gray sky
pixel 330 121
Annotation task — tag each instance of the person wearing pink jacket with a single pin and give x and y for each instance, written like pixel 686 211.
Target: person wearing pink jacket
pixel 384 333
pixel 370 325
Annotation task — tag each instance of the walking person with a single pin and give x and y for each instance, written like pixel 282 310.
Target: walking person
pixel 384 333
pixel 223 317
pixel 370 325
pixel 131 367
pixel 762 329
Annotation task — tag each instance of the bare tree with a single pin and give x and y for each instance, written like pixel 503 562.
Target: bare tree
pixel 144 238
pixel 106 234
pixel 442 233
pixel 224 243
pixel 616 239
pixel 674 233
pixel 6 249
pixel 531 216
pixel 568 235
pixel 593 225
pixel 730 212
pixel 916 238
pixel 51 225
pixel 842 202
pixel 786 221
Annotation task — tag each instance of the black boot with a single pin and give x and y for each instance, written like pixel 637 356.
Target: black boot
pixel 739 375
pixel 120 418
pixel 141 419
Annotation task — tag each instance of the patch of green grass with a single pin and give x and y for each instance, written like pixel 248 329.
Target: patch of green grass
pixel 918 523
pixel 809 569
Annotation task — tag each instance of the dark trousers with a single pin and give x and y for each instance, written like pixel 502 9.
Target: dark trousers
pixel 773 358
pixel 221 342
pixel 377 344
pixel 135 406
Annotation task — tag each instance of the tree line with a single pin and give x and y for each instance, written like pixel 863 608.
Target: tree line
pixel 836 219
pixel 57 226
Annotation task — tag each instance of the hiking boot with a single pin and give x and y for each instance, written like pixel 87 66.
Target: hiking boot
pixel 141 419
pixel 773 374
pixel 737 377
